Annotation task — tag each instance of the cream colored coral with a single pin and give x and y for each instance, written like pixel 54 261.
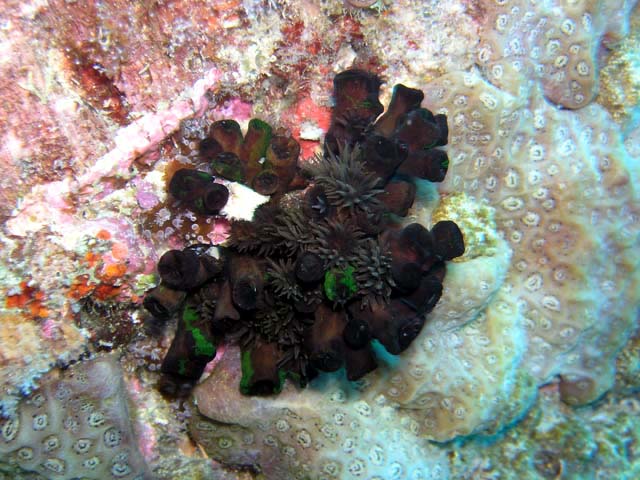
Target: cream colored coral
pixel 462 374
pixel 554 42
pixel 331 430
pixel 565 198
pixel 76 425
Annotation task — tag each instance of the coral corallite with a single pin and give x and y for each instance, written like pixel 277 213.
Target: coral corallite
pixel 325 270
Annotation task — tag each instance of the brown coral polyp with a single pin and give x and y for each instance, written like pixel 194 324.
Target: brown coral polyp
pixel 261 375
pixel 324 340
pixel 246 278
pixel 356 107
pixel 227 135
pixel 382 155
pixel 309 268
pixel 198 191
pixel 226 317
pixel 162 301
pixel 185 270
pixel 324 268
pixel 403 100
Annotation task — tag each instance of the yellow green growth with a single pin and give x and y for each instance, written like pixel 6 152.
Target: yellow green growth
pixel 257 139
pixel 475 219
pixel 182 366
pixel 247 372
pixel 343 279
pixel 202 345
pixel 228 171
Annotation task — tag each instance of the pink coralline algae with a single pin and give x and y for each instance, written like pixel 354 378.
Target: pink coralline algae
pixel 104 257
pixel 145 197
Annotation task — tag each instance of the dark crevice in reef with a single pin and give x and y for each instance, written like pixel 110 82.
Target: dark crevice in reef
pixel 325 267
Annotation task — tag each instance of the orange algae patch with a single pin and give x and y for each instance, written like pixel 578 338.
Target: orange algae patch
pixel 92 258
pixel 119 251
pixel 81 287
pixel 30 299
pixel 113 271
pixel 110 274
pixel 103 235
pixel 105 291
pixel 107 270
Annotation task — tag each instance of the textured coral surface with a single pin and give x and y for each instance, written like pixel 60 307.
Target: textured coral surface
pixel 539 315
pixel 76 424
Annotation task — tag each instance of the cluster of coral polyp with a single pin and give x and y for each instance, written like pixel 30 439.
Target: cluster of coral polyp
pixel 326 267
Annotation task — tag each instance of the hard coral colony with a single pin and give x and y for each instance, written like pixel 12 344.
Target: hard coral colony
pixel 325 269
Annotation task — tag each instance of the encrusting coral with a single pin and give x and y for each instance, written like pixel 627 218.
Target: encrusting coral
pixel 330 430
pixel 560 49
pixel 523 158
pixel 77 424
pixel 325 267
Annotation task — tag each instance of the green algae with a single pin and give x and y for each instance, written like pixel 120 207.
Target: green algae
pixel 202 345
pixel 257 140
pixel 182 366
pixel 340 283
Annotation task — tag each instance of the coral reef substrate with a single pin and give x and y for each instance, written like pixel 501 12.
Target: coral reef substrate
pixel 541 100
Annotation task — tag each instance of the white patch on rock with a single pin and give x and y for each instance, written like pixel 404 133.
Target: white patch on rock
pixel 242 202
pixel 309 130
